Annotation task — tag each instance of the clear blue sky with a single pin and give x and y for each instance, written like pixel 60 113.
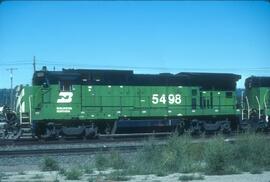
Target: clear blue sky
pixel 148 37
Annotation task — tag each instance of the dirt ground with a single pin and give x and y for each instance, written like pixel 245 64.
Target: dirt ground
pixel 26 169
pixel 37 176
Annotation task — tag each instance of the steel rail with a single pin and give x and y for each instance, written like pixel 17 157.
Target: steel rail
pixel 84 150
pixel 102 140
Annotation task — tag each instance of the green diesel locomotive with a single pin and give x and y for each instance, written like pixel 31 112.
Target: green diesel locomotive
pixel 87 103
pixel 256 103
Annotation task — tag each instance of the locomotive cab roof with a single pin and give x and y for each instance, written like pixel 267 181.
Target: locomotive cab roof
pixel 208 81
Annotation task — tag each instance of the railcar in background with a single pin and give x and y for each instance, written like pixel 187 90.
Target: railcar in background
pixel 256 103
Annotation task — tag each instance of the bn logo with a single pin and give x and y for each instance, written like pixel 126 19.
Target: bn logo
pixel 65 97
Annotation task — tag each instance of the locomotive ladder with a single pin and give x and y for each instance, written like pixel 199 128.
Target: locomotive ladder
pixel 26 122
pixel 25 126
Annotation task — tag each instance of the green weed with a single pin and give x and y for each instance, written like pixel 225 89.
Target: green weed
pixel 190 177
pixel 37 176
pixel 117 176
pixel 217 156
pixel 101 162
pixel 49 164
pixel 73 174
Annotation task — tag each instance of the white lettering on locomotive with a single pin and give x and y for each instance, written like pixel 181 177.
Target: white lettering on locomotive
pixel 63 109
pixel 162 98
pixel 65 97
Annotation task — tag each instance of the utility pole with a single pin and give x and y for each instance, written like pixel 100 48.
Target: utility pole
pixel 10 70
pixel 34 64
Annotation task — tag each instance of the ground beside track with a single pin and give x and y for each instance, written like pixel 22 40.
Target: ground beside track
pixel 37 176
pixel 27 168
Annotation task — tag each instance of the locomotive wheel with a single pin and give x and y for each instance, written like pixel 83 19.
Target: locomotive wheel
pixel 261 126
pixel 225 127
pixel 180 128
pixel 90 133
pixel 196 127
pixel 51 133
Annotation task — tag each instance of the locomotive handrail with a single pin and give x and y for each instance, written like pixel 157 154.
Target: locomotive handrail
pixel 248 110
pixel 259 106
pixel 265 105
pixel 30 111
pixel 20 110
pixel 242 105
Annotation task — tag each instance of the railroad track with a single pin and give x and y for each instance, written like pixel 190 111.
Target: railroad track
pixel 102 139
pixel 84 150
pixel 78 150
pixel 114 138
pixel 93 149
pixel 29 147
pixel 10 143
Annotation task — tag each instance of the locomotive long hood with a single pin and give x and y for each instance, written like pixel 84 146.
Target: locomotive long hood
pixel 219 81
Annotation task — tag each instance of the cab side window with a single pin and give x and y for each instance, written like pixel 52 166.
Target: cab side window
pixel 229 94
pixel 65 86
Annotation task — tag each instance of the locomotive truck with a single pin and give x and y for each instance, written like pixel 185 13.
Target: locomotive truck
pixel 87 103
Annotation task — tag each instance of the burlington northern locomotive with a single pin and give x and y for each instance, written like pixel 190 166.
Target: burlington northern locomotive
pixel 87 103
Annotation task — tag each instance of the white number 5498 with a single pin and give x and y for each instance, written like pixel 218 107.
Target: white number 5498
pixel 171 99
